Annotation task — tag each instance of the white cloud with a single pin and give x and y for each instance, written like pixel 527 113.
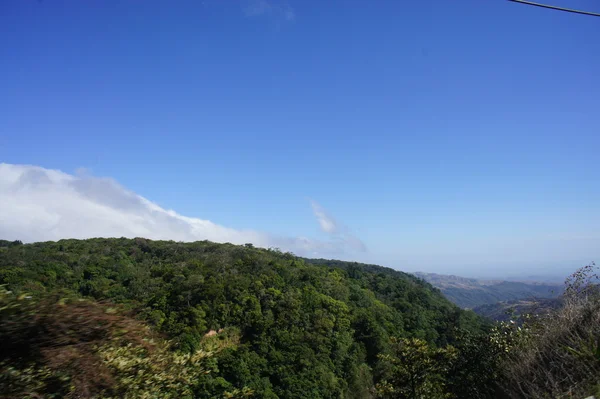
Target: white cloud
pixel 326 221
pixel 338 231
pixel 38 204
pixel 278 9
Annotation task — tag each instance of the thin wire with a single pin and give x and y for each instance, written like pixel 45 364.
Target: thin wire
pixel 530 3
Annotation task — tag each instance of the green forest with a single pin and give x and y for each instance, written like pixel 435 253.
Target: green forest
pixel 110 318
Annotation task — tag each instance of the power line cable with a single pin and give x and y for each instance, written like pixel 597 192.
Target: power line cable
pixel 530 3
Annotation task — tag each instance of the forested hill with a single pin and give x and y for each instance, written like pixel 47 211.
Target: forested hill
pixel 305 330
pixel 357 267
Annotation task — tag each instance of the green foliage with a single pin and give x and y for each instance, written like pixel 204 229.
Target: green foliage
pixel 305 329
pixel 9 244
pixel 474 372
pixel 417 371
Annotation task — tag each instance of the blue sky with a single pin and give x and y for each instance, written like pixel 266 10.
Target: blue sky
pixel 449 136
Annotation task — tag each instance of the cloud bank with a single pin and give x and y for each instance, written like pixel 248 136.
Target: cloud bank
pixel 38 204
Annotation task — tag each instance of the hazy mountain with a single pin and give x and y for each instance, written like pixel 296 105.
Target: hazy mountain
pixel 471 293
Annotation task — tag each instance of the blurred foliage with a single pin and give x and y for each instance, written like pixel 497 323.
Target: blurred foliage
pixel 69 348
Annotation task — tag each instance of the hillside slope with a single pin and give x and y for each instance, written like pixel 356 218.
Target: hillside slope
pixel 508 310
pixel 469 293
pixel 305 330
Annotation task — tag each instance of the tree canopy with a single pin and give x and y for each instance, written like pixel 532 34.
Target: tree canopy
pixel 305 330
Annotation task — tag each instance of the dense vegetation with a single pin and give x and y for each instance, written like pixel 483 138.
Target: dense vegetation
pixel 470 293
pixel 139 318
pixel 305 330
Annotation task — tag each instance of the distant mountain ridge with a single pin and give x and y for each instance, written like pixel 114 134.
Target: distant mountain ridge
pixel 471 293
